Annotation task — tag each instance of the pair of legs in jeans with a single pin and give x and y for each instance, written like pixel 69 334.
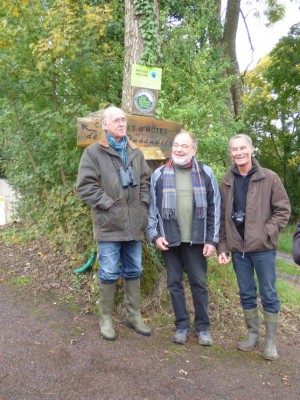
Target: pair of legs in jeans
pixel 188 258
pixel 120 259
pixel 263 262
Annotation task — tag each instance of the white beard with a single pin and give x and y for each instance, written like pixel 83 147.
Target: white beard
pixel 181 161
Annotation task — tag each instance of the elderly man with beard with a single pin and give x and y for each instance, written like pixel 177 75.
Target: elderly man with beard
pixel 184 225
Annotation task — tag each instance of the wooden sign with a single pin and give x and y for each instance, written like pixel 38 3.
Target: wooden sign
pixel 153 136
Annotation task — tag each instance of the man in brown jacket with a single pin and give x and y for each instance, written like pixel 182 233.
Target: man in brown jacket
pixel 114 180
pixel 254 208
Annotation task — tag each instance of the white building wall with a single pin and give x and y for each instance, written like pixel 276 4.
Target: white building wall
pixel 7 199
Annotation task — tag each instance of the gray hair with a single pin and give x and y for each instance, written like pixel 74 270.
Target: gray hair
pixel 240 136
pixel 108 111
pixel 193 138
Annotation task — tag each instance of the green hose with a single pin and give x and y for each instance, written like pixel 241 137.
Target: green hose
pixel 88 264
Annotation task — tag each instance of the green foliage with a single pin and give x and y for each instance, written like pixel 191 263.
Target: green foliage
pixel 148 26
pixel 55 61
pixel 274 12
pixel 222 283
pixel 271 112
pixel 68 220
pixel 289 294
pixel 285 242
pixel 23 280
pixel 195 85
pixel 286 267
pixel 152 265
pixel 63 59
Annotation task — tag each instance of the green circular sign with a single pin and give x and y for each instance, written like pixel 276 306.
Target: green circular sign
pixel 144 100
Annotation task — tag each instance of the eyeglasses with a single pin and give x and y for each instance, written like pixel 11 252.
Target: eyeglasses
pixel 119 121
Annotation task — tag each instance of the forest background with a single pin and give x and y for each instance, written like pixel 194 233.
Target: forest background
pixel 63 59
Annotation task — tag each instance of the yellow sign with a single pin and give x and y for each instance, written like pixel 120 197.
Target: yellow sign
pixel 146 77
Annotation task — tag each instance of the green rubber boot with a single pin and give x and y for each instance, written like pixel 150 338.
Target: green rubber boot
pixel 270 351
pixel 132 302
pixel 252 323
pixel 106 306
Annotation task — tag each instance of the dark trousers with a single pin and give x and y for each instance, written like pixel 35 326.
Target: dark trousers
pixel 189 259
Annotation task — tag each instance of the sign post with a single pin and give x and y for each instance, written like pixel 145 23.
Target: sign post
pixel 153 136
pixel 146 82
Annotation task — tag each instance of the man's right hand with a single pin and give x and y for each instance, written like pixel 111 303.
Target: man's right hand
pixel 224 258
pixel 161 244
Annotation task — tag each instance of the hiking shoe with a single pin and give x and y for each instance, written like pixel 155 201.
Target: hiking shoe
pixel 180 336
pixel 204 338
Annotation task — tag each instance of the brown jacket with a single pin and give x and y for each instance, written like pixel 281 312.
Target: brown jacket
pixel 267 212
pixel 119 214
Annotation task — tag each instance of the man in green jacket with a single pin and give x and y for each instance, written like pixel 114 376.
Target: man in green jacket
pixel 254 208
pixel 114 180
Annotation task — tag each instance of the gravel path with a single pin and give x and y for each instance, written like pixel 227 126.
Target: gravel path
pixel 48 351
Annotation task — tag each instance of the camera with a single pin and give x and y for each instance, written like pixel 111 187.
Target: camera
pixel 127 177
pixel 238 218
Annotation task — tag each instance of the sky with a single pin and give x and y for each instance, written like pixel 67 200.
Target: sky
pixel 263 39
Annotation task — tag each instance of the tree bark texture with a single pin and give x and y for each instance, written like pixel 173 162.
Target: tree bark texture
pixel 134 46
pixel 229 42
pixel 133 50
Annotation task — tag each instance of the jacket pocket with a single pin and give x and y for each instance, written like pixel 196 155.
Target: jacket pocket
pixel 111 220
pixel 272 233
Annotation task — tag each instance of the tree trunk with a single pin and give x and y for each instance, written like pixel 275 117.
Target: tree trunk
pixel 134 47
pixel 133 50
pixel 229 41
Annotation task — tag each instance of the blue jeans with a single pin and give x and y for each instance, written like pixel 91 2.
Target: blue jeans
pixel 263 262
pixel 189 259
pixel 118 259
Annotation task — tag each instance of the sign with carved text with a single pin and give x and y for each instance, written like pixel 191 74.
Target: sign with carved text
pixel 152 135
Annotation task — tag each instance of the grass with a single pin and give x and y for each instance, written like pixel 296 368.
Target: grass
pixel 287 268
pixel 223 286
pixel 285 242
pixel 221 280
pixel 16 235
pixel 19 281
pixel 288 294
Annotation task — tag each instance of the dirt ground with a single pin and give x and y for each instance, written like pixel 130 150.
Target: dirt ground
pixel 50 347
